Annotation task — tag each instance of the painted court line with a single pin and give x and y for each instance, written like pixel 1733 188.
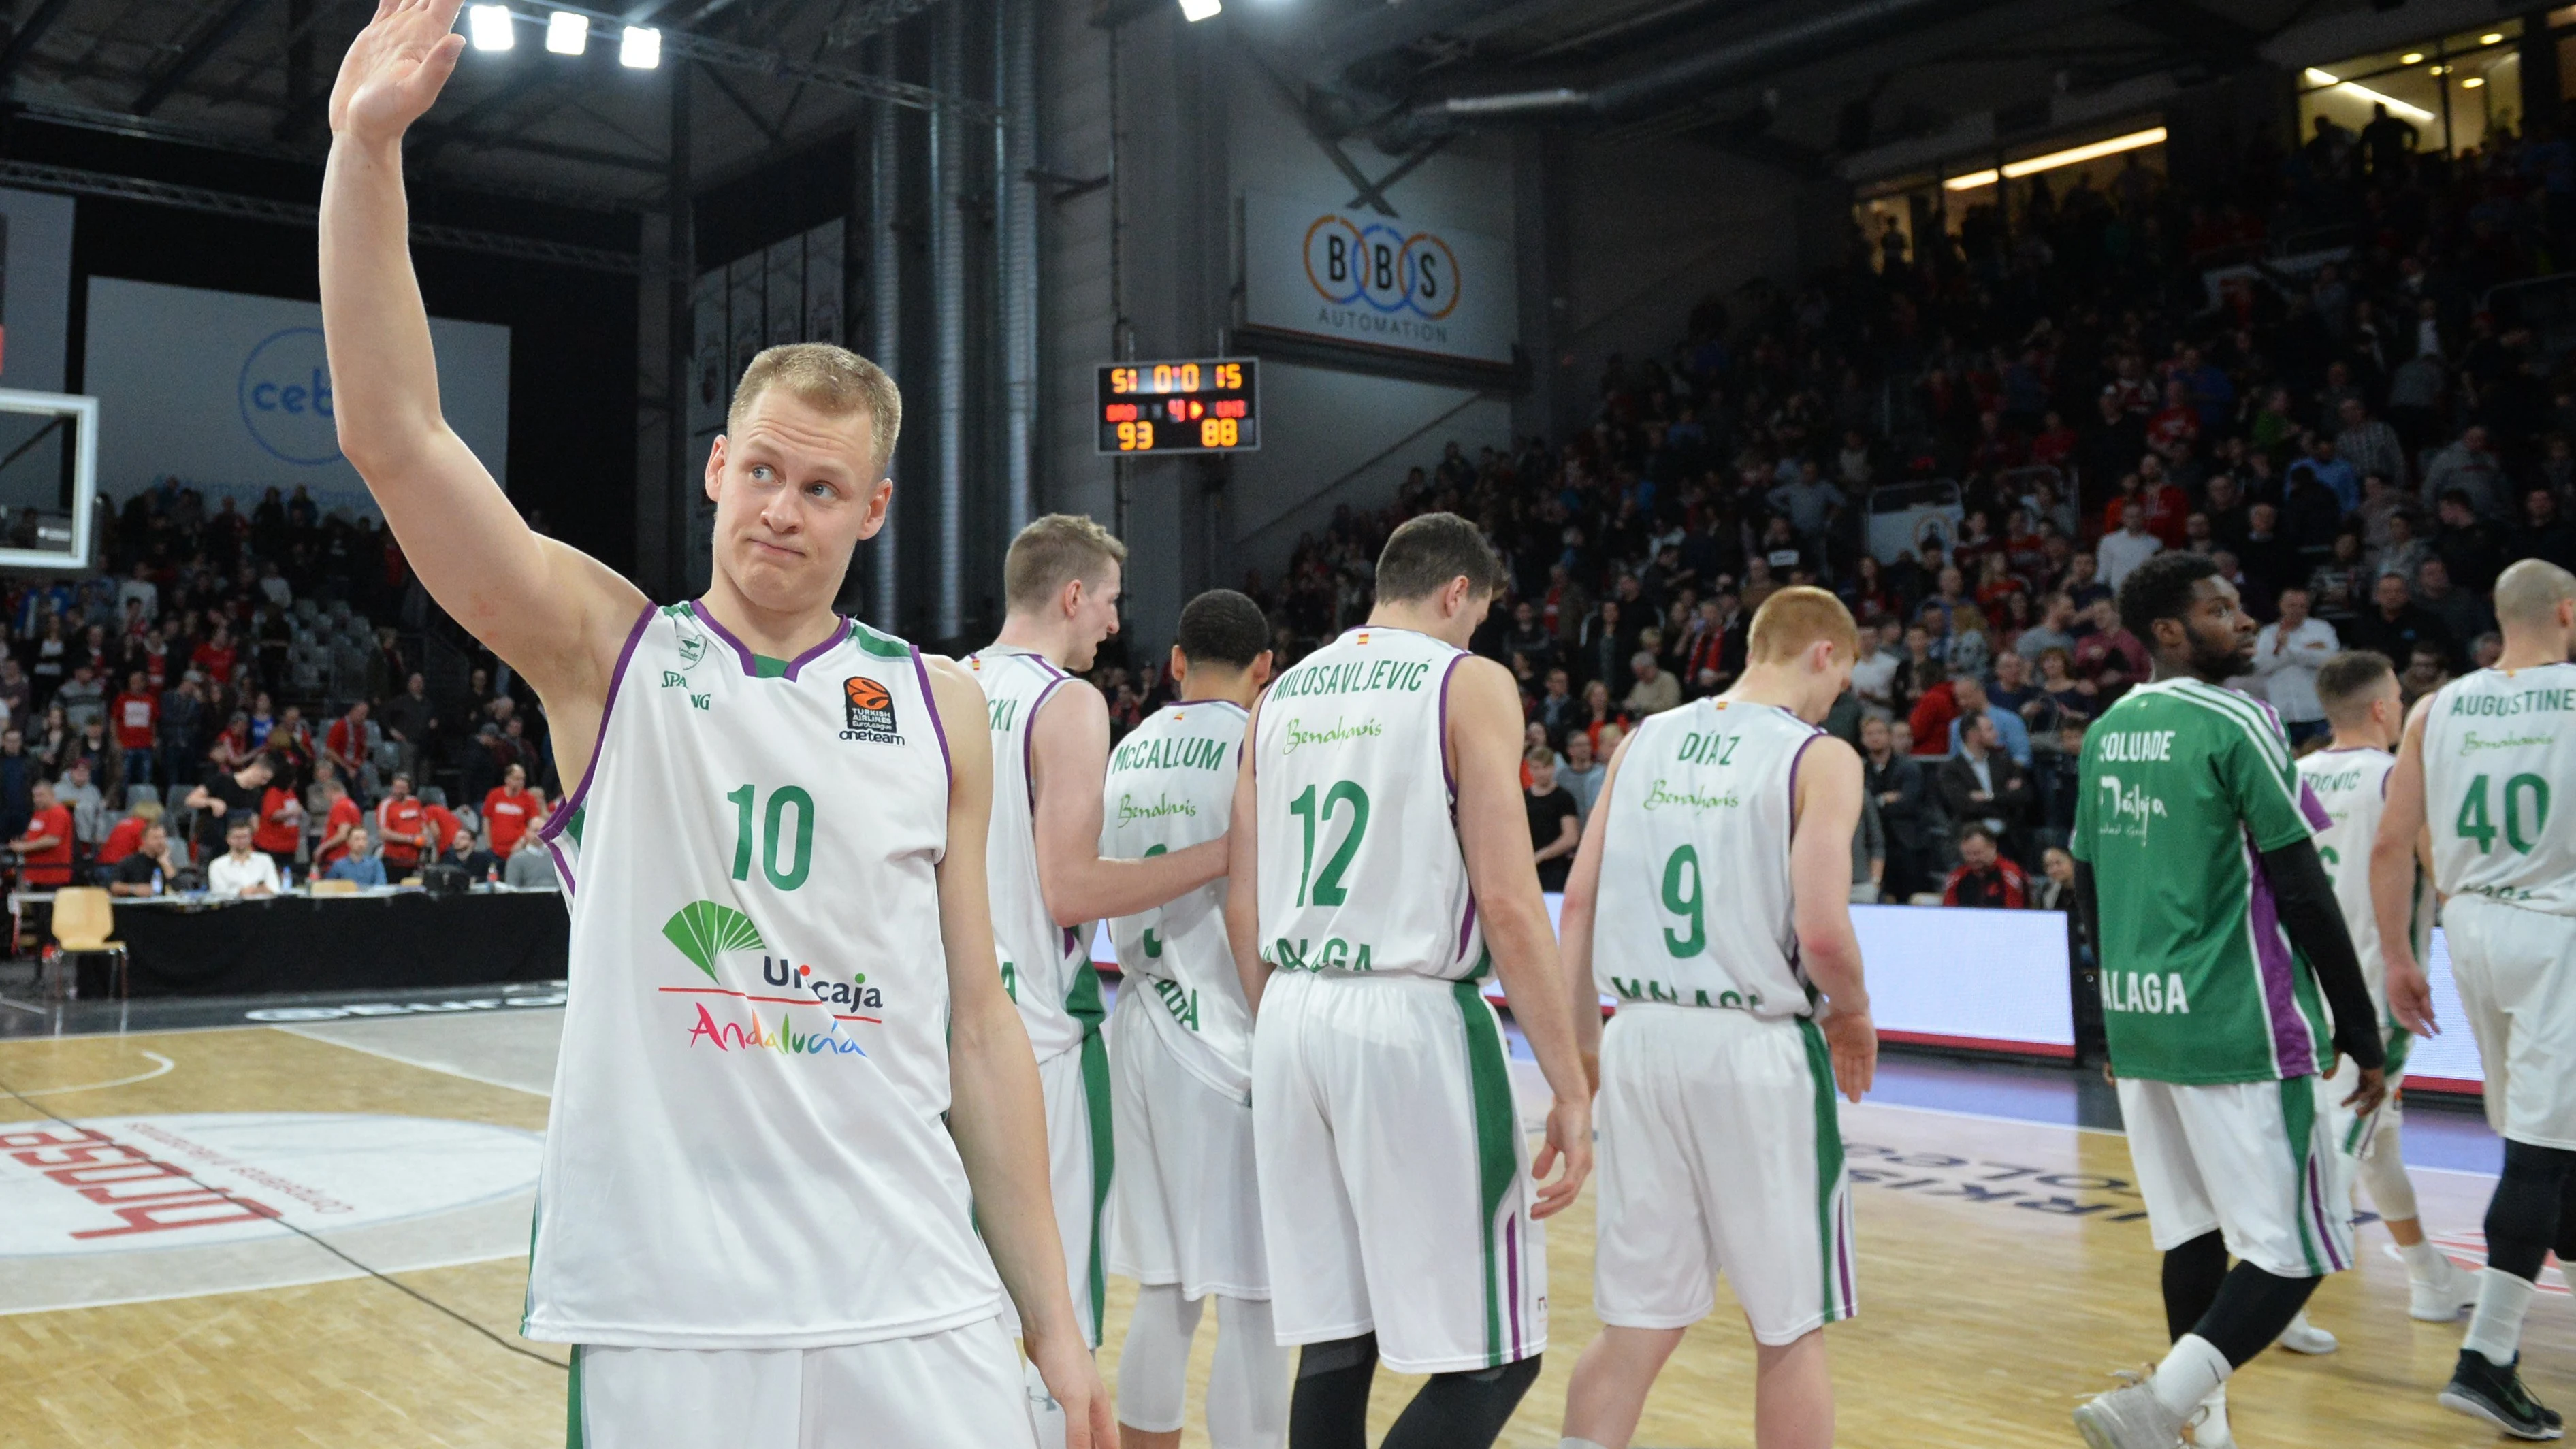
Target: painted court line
pixel 163 1070
pixel 412 1061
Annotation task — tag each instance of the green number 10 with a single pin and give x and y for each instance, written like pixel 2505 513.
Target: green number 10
pixel 801 851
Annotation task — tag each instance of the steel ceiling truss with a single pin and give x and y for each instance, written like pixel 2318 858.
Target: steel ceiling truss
pixel 296 213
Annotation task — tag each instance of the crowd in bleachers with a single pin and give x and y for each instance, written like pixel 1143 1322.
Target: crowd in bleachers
pixel 235 702
pixel 2358 438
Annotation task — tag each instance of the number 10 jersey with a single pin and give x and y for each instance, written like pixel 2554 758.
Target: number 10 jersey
pixel 1359 861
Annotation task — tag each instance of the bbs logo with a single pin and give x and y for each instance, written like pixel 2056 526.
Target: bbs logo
pixel 869 708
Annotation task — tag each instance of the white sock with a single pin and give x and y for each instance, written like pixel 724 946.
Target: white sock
pixel 2495 1328
pixel 2424 1262
pixel 1572 1443
pixel 2190 1373
pixel 1248 1385
pixel 2213 1429
pixel 1154 1364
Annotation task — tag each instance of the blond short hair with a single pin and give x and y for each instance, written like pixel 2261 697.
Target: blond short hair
pixel 831 380
pixel 1052 552
pixel 1796 617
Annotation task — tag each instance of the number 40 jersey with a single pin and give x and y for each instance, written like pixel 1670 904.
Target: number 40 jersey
pixel 2497 745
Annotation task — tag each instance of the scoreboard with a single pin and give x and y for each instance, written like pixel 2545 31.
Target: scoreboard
pixel 1206 405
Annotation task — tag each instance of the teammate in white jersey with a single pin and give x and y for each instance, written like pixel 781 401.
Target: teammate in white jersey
pixel 1381 867
pixel 1050 735
pixel 1711 896
pixel 2483 757
pixel 1185 1216
pixel 754 1210
pixel 2363 705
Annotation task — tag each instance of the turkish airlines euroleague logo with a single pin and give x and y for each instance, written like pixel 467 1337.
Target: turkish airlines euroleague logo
pixel 870 712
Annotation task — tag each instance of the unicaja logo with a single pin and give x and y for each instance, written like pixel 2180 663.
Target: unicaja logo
pixel 285 395
pixel 1387 269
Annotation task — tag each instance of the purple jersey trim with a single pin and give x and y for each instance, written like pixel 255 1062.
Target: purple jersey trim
pixel 564 808
pixel 840 632
pixel 2293 1049
pixel 1512 1262
pixel 1794 761
pixel 1466 927
pixel 1029 728
pixel 563 866
pixel 1446 773
pixel 930 702
pixel 708 617
pixel 2314 809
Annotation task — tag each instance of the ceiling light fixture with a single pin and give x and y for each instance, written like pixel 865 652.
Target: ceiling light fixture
pixel 2473 82
pixel 2412 57
pixel 2321 79
pixel 2152 136
pixel 639 48
pixel 488 26
pixel 2492 37
pixel 1195 11
pixel 567 33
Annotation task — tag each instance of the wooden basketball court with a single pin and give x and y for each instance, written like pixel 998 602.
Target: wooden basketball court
pixel 2005 1271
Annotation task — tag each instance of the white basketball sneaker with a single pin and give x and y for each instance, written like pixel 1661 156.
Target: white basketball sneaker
pixel 2305 1337
pixel 2446 1295
pixel 2209 1428
pixel 2129 1418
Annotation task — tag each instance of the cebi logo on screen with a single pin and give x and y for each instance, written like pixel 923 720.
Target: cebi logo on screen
pixel 285 394
pixel 1379 282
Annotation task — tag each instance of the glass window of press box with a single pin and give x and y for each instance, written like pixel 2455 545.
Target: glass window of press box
pixel 1966 194
pixel 2451 90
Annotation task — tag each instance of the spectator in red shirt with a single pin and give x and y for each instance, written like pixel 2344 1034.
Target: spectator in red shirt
pixel 45 851
pixel 509 810
pixel 338 824
pixel 1931 718
pixel 1985 877
pixel 402 825
pixel 215 658
pixel 351 743
pixel 127 835
pixel 2173 430
pixel 136 717
pixel 2110 656
pixel 281 825
pixel 443 828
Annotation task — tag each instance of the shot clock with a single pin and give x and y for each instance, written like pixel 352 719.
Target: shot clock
pixel 1206 405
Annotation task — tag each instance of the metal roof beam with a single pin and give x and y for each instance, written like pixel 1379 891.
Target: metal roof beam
pixel 200 50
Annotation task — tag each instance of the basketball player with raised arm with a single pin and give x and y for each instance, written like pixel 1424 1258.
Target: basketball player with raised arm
pixel 1050 737
pixel 1711 896
pixel 1381 868
pixel 1185 1219
pixel 2350 779
pixel 2222 946
pixel 791 1087
pixel 2483 758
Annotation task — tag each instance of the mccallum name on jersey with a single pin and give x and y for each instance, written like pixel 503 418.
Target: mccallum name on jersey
pixel 2145 992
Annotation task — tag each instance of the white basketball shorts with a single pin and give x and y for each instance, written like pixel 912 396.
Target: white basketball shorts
pixel 1720 1151
pixel 2516 970
pixel 1076 1084
pixel 1185 1207
pixel 1394 1182
pixel 2254 1161
pixel 938 1391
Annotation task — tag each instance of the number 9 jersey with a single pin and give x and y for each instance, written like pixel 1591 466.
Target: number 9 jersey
pixel 1705 794
pixel 1360 867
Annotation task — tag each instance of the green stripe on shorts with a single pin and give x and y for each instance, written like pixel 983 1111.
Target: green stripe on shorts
pixel 2299 1117
pixel 1083 1004
pixel 2399 1040
pixel 573 1437
pixel 1498 1160
pixel 1829 1155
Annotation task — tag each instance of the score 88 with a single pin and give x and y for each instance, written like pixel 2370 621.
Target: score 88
pixel 1219 432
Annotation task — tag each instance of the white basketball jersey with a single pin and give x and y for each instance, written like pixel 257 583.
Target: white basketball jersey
pixel 2352 785
pixel 1045 965
pixel 2499 747
pixel 1170 786
pixel 1695 906
pixel 1360 868
pixel 747 1147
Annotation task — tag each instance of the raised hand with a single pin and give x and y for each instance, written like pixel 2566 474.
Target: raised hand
pixel 395 69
